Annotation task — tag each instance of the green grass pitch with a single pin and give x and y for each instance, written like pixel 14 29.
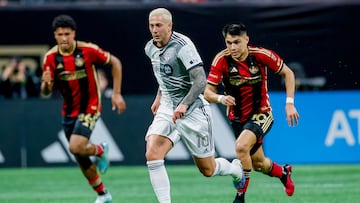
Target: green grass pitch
pixel 130 184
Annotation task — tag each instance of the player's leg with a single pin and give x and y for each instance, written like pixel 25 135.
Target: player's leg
pixel 211 166
pixel 243 146
pixel 83 127
pixel 81 148
pixel 196 132
pixel 160 138
pixel 267 166
pixel 89 170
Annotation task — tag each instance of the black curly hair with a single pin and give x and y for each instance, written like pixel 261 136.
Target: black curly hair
pixel 63 21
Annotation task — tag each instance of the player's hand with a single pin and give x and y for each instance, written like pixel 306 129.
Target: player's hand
pixel 228 100
pixel 292 116
pixel 155 106
pixel 46 76
pixel 118 103
pixel 179 112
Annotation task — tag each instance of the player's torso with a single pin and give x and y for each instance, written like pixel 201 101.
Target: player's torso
pixel 171 74
pixel 247 82
pixel 77 81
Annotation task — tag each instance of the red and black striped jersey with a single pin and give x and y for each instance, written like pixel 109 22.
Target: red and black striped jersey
pixel 245 80
pixel 75 76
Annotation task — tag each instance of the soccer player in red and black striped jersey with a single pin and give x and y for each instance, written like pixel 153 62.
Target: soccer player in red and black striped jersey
pixel 242 69
pixel 70 66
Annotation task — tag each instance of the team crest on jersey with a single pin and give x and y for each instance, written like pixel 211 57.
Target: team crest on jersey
pixel 253 69
pixel 167 69
pixel 79 61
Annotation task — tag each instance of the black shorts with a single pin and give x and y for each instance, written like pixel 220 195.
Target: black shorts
pixel 259 124
pixel 83 125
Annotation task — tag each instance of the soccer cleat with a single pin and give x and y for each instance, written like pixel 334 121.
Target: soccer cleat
pixel 105 198
pixel 102 162
pixel 239 178
pixel 239 198
pixel 286 180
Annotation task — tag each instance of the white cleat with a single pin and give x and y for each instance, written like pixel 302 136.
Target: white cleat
pixel 105 198
pixel 239 178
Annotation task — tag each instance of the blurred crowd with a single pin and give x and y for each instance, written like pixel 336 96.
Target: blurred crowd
pixel 17 80
pixel 20 81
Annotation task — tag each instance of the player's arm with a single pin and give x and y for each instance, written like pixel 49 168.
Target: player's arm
pixel 211 94
pixel 117 100
pixel 214 78
pixel 156 103
pixel 198 78
pixel 47 82
pixel 289 78
pixel 292 115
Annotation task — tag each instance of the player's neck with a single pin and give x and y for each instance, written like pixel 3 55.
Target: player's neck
pixel 68 51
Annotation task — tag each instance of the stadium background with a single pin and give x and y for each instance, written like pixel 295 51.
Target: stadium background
pixel 321 36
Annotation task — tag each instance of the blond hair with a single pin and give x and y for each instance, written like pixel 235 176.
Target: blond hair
pixel 161 11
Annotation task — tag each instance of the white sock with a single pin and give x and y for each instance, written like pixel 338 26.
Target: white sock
pixel 223 167
pixel 159 180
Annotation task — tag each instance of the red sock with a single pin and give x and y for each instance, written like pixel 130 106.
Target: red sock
pixel 97 185
pixel 247 180
pixel 99 150
pixel 276 170
pixel 244 189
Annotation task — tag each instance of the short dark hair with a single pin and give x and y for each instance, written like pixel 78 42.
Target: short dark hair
pixel 64 21
pixel 234 29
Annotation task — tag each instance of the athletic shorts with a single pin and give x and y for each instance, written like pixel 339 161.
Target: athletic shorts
pixel 83 125
pixel 260 124
pixel 194 130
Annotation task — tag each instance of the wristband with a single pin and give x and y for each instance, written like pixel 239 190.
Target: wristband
pixel 220 98
pixel 289 100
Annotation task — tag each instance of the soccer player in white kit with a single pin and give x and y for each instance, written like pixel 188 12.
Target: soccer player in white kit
pixel 180 110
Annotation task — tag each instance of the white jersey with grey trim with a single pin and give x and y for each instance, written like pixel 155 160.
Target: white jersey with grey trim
pixel 171 65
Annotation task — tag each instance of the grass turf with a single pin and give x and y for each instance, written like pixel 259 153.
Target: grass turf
pixel 130 184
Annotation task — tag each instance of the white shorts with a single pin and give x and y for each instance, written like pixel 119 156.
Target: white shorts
pixel 193 129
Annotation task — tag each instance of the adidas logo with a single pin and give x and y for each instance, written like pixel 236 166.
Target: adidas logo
pixel 233 70
pixel 58 151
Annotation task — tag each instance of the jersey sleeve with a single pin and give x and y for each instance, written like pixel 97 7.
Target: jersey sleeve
pixel 272 60
pixel 99 55
pixel 189 56
pixel 49 64
pixel 217 65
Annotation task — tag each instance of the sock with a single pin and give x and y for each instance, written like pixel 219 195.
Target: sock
pixel 97 185
pixel 159 180
pixel 247 173
pixel 98 150
pixel 223 167
pixel 276 170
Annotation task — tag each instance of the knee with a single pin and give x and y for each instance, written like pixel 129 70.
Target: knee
pixel 75 148
pixel 151 154
pixel 207 172
pixel 241 149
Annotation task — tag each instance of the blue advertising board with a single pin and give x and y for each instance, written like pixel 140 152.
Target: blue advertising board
pixel 328 129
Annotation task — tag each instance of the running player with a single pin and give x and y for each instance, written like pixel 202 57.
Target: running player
pixel 243 71
pixel 179 108
pixel 70 66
